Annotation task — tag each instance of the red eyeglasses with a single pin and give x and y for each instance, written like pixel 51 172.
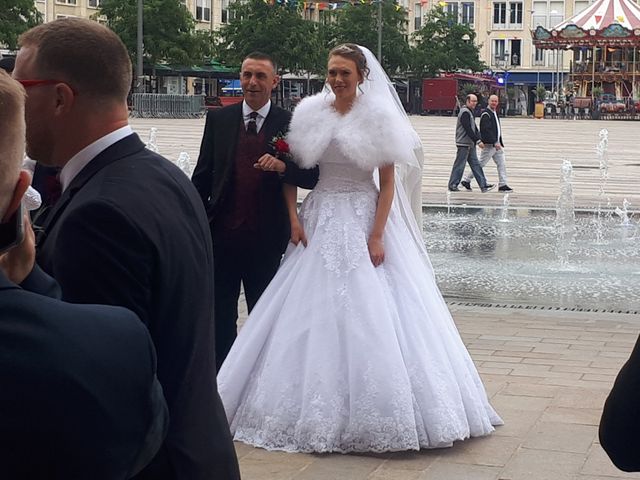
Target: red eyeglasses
pixel 35 83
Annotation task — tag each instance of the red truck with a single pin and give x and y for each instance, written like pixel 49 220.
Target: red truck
pixel 439 95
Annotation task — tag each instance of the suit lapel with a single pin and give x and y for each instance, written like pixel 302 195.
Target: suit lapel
pixel 233 121
pixel 273 124
pixel 121 149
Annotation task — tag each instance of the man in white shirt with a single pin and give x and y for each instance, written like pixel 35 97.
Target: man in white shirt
pixel 128 230
pixel 239 176
pixel 491 135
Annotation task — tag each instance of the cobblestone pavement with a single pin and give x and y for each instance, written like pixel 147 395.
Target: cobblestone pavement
pixel 534 151
pixel 547 372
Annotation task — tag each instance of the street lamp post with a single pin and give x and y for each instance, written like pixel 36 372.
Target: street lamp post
pixel 139 47
pixel 380 31
pixel 503 63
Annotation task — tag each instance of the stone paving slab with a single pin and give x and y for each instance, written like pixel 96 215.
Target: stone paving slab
pixel 534 148
pixel 550 400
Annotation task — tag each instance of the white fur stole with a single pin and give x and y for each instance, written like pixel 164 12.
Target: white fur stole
pixel 368 135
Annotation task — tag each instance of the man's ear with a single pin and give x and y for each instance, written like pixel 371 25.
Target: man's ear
pixel 276 81
pixel 65 97
pixel 24 180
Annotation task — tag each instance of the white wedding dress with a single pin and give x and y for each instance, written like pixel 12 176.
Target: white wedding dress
pixel 340 356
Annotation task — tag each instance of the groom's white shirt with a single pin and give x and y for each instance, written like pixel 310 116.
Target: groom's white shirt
pixel 262 114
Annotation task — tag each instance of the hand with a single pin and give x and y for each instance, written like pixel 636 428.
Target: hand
pixel 297 234
pixel 376 251
pixel 498 146
pixel 18 262
pixel 481 145
pixel 269 163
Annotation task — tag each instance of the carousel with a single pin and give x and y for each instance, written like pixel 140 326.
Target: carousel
pixel 605 66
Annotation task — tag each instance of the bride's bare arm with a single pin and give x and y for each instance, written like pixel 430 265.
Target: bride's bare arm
pixel 376 246
pixel 291 199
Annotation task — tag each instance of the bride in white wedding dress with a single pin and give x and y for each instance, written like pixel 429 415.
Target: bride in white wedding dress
pixel 351 348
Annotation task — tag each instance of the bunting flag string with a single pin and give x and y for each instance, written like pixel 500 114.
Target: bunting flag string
pixel 328 5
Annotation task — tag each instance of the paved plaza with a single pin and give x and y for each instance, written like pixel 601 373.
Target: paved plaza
pixel 547 372
pixel 534 150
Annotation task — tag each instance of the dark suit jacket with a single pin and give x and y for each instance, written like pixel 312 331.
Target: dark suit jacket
pixel 130 230
pixel 213 173
pixel 79 397
pixel 489 128
pixel 620 423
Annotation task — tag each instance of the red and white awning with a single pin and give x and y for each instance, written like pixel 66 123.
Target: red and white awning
pixel 605 22
pixel 603 13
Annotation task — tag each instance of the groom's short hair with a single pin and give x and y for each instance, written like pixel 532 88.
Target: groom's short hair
pixel 12 98
pixel 262 56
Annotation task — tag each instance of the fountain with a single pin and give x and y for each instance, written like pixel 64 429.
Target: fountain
pixel 504 213
pixel 603 165
pixel 565 215
pixel 562 258
pixel 623 213
pixel 152 142
pixel 184 163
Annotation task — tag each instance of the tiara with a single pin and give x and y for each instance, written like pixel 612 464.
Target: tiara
pixel 344 48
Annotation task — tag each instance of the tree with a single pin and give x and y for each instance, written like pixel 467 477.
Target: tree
pixel 279 30
pixel 358 23
pixel 169 30
pixel 16 16
pixel 443 44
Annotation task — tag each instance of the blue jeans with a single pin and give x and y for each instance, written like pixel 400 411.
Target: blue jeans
pixel 463 156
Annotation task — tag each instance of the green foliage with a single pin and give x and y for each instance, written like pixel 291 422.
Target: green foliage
pixel 540 92
pixel 294 43
pixel 443 44
pixel 16 17
pixel 358 23
pixel 169 30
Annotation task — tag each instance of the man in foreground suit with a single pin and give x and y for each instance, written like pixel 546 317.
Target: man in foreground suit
pixel 128 230
pixel 240 180
pixel 620 422
pixel 79 396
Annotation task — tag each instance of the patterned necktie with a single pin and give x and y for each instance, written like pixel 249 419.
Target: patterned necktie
pixel 252 126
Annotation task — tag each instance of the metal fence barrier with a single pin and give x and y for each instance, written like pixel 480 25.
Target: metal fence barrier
pixel 158 105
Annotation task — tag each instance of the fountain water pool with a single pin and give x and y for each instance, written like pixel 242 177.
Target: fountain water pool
pixel 477 258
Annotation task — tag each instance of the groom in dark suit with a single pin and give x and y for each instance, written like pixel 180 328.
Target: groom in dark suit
pixel 128 230
pixel 239 177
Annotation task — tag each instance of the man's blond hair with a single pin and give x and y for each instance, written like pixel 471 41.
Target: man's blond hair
pixel 12 97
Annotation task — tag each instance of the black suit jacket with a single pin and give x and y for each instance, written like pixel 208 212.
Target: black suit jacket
pixel 213 173
pixel 130 230
pixel 79 397
pixel 620 423
pixel 489 128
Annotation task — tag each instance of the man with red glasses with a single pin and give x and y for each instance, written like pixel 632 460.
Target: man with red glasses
pixel 128 230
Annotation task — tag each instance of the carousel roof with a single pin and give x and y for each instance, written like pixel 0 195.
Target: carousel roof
pixel 610 22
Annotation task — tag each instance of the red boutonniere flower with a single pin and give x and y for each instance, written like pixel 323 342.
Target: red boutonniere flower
pixel 280 145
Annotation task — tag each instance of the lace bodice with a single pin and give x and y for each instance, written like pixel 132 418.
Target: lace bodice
pixel 337 174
